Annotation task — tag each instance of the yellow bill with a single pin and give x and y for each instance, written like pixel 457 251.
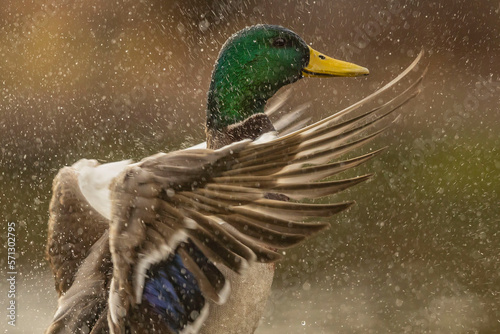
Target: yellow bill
pixel 324 66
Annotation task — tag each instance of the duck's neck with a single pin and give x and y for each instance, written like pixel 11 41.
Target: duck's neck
pixel 250 128
pixel 235 107
pixel 233 98
pixel 233 102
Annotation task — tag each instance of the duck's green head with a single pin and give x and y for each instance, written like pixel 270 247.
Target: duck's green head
pixel 257 61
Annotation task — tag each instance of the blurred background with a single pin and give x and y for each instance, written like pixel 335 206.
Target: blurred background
pixel 419 253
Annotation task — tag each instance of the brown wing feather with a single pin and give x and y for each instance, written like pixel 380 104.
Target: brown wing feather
pixel 83 306
pixel 74 226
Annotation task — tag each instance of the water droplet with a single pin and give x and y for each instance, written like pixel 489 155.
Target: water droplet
pixel 203 25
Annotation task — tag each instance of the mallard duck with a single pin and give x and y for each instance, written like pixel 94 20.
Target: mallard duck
pixel 185 241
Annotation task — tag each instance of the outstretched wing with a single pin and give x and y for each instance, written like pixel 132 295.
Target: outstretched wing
pixel 74 226
pixel 79 215
pixel 83 307
pixel 174 215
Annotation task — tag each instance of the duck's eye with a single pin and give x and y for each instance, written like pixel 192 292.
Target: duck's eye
pixel 279 42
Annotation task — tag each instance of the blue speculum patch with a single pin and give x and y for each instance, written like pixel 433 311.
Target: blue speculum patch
pixel 173 293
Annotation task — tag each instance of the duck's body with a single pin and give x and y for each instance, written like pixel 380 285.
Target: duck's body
pixel 157 246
